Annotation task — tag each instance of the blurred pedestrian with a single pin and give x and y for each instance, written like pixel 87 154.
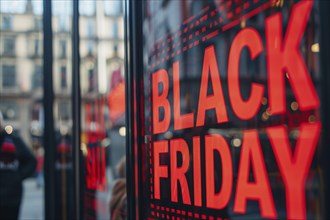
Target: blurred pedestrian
pixel 118 202
pixel 40 165
pixel 17 163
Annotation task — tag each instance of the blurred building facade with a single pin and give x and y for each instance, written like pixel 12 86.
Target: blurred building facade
pixel 21 64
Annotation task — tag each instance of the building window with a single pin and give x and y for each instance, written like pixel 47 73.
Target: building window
pixel 9 46
pixel 36 47
pixel 38 24
pixel 8 109
pixel 113 7
pixel 90 27
pixel 63 77
pixel 8 76
pixel 7 23
pixel 90 46
pixel 62 48
pixel 91 80
pixel 64 110
pixel 37 77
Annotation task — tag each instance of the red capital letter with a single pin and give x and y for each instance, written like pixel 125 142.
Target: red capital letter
pixel 197 171
pixel 160 101
pixel 216 100
pixel 286 58
pixel 184 121
pixel 294 166
pixel 178 173
pixel 260 189
pixel 160 171
pixel 244 109
pixel 218 200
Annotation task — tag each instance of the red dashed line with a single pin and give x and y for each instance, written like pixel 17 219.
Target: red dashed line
pixel 188 20
pixel 213 34
pixel 197 33
pixel 203 29
pixel 212 13
pixel 230 15
pixel 229 3
pixel 185 30
pixel 255 1
pixel 246 5
pixel 204 18
pixel 196 42
pixel 238 10
pixel 184 48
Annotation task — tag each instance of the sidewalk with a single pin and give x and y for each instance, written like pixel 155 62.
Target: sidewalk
pixel 32 207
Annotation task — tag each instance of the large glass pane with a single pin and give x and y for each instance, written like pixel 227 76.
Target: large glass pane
pixel 21 94
pixel 231 112
pixel 103 107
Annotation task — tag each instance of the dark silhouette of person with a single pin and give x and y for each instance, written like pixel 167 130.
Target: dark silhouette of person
pixel 17 163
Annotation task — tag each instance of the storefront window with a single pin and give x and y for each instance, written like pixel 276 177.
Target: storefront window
pixel 231 110
pixel 103 111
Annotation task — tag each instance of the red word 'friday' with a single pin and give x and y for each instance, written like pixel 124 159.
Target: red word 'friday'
pixel 293 167
pixel 282 56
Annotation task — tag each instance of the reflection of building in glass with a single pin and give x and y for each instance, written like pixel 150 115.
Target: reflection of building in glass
pixel 21 70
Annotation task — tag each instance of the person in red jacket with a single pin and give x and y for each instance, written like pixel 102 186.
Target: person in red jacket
pixel 17 163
